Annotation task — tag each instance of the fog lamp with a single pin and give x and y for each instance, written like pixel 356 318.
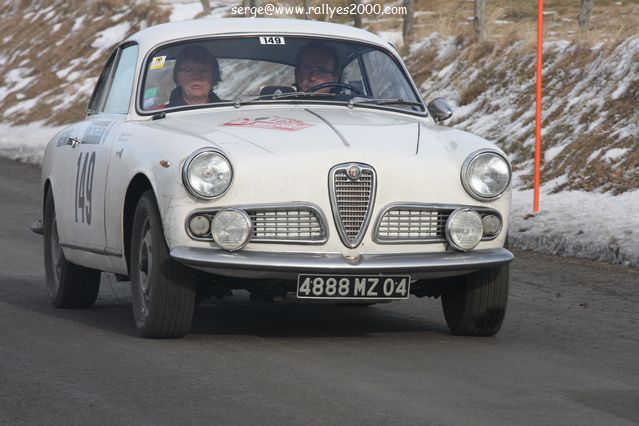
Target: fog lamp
pixel 492 225
pixel 199 225
pixel 464 229
pixel 231 229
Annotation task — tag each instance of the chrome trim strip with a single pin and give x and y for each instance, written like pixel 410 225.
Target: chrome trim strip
pixel 140 65
pixel 464 177
pixel 336 214
pixel 428 206
pixel 104 252
pixel 329 124
pixel 217 259
pixel 248 208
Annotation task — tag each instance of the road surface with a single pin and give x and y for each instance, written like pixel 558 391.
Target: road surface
pixel 568 352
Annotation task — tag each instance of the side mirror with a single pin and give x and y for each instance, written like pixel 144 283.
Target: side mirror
pixel 440 110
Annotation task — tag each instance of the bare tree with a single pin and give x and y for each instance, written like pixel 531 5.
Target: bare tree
pixel 307 3
pixel 409 18
pixel 479 21
pixel 357 18
pixel 206 6
pixel 584 14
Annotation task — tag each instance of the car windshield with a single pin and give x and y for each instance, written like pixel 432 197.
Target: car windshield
pixel 254 69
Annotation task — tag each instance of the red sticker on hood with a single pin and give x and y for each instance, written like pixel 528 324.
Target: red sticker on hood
pixel 273 123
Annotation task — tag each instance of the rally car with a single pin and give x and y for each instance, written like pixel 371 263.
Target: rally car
pixel 293 159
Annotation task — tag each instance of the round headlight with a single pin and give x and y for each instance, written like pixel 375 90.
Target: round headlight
pixel 485 175
pixel 464 229
pixel 207 174
pixel 231 229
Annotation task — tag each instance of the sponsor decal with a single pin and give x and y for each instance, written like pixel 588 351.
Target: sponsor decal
pixel 272 123
pixel 272 40
pixel 157 63
pixel 96 132
pixel 151 92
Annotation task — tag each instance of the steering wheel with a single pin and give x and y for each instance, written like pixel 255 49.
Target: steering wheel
pixel 335 84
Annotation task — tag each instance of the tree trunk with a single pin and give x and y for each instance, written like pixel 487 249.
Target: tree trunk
pixel 479 20
pixel 357 18
pixel 407 29
pixel 307 3
pixel 584 14
pixel 206 6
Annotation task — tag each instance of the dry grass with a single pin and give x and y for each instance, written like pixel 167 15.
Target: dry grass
pixel 30 42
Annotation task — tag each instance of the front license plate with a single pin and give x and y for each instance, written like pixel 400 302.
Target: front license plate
pixel 353 286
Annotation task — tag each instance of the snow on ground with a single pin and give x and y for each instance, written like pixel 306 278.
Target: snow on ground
pixel 578 223
pixel 182 10
pixel 25 143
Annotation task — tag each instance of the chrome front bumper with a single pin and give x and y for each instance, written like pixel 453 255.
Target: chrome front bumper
pixel 257 265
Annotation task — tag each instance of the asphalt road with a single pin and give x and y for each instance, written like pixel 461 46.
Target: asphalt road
pixel 568 352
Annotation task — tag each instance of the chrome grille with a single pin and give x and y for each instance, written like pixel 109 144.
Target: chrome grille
pixel 301 223
pixel 412 224
pixel 289 225
pixel 419 223
pixel 352 200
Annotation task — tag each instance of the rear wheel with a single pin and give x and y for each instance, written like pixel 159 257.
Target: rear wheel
pixel 68 285
pixel 162 290
pixel 476 306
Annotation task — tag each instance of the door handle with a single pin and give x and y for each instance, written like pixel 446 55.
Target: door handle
pixel 73 142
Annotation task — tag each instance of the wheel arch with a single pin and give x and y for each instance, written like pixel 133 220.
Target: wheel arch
pixel 138 186
pixel 47 188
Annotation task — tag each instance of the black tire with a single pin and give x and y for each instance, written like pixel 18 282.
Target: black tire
pixel 68 285
pixel 162 290
pixel 476 306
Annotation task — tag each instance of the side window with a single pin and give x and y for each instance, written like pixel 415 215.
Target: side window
pixel 100 87
pixel 121 85
pixel 352 74
pixel 385 77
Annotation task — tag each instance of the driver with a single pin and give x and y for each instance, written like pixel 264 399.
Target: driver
pixel 316 64
pixel 195 74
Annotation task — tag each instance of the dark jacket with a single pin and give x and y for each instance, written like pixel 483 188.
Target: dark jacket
pixel 177 99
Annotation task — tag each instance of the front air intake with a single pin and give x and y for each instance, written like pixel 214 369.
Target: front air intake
pixel 352 192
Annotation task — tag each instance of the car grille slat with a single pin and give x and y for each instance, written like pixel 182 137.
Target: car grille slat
pixel 281 224
pixel 286 225
pixel 403 223
pixel 352 200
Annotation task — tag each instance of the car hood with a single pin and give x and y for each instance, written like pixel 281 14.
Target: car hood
pixel 292 130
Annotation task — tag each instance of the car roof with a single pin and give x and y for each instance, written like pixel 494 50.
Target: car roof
pixel 174 31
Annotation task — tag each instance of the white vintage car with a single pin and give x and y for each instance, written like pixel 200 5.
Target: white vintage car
pixel 293 159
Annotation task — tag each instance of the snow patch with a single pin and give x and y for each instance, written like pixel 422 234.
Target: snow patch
pixel 573 223
pixel 109 38
pixel 185 11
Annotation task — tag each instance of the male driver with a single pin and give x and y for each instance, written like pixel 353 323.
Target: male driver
pixel 316 64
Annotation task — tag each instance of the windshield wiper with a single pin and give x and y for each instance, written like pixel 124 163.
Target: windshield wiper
pixel 382 101
pixel 290 95
pixel 304 94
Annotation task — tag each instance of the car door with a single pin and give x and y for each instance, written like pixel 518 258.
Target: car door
pixel 88 162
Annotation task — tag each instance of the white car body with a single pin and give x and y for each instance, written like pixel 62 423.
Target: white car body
pixel 416 161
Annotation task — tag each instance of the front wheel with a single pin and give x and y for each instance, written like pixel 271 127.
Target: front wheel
pixel 476 306
pixel 69 285
pixel 162 290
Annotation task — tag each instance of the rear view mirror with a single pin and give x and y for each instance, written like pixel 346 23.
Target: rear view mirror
pixel 440 110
